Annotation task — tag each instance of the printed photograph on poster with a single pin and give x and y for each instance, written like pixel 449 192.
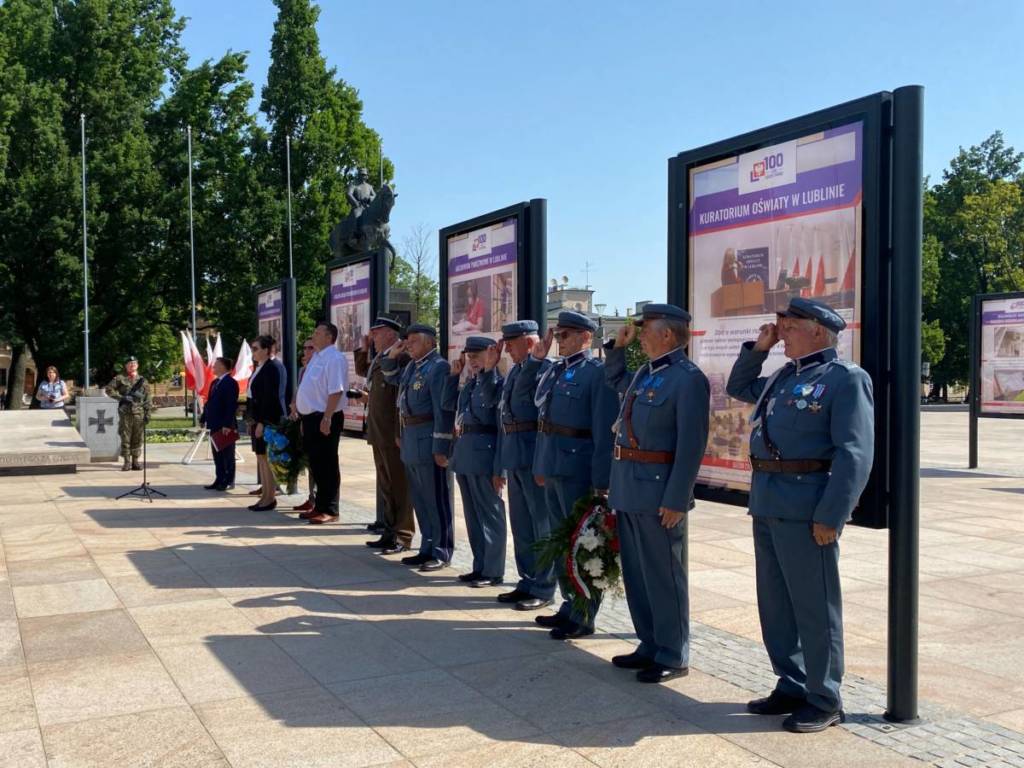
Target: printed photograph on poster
pixel 270 314
pixel 350 312
pixel 481 284
pixel 764 227
pixel 1002 356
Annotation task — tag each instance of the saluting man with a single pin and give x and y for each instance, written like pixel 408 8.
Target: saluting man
pixel 576 408
pixel 474 458
pixel 426 440
pixel 811 450
pixel 661 434
pixel 527 510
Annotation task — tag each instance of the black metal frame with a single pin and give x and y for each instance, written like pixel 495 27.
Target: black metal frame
pixel 288 327
pixel 379 271
pixel 975 373
pixel 874 112
pixel 531 260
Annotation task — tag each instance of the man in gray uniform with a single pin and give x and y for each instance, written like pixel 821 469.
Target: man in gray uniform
pixel 811 449
pixel 474 458
pixel 426 440
pixel 661 434
pixel 576 408
pixel 517 440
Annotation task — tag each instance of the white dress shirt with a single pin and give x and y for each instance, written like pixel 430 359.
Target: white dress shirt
pixel 326 374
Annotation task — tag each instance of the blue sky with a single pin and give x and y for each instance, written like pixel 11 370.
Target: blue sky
pixel 483 104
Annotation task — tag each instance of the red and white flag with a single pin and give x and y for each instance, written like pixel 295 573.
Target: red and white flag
pixel 243 366
pixel 195 368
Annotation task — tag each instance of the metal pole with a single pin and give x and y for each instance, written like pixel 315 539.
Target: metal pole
pixel 380 162
pixel 192 255
pixel 288 166
pixel 973 393
pixel 905 420
pixel 85 258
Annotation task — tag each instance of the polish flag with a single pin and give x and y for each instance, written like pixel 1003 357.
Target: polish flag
pixel 819 281
pixel 195 369
pixel 796 267
pixel 849 279
pixel 243 367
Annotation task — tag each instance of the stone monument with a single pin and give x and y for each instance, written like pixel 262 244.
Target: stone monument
pixel 366 227
pixel 97 421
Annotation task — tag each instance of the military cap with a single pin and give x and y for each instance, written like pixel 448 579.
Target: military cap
pixel 386 322
pixel 662 312
pixel 811 309
pixel 576 320
pixel 519 328
pixel 421 328
pixel 478 343
pixel 131 359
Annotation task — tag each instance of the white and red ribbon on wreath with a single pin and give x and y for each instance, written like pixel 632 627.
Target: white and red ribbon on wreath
pixel 572 564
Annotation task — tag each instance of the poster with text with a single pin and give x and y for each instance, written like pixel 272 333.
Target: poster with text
pixel 481 284
pixel 1002 356
pixel 350 311
pixel 270 314
pixel 766 226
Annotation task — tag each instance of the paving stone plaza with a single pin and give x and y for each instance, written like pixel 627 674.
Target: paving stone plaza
pixel 193 632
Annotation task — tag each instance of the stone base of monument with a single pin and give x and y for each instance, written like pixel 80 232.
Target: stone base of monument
pixel 39 443
pixel 97 421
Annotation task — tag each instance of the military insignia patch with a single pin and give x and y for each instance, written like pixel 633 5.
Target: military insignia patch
pixel 418 384
pixel 814 407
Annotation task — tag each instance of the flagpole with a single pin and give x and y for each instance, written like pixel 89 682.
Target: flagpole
pixel 288 166
pixel 192 256
pixel 85 259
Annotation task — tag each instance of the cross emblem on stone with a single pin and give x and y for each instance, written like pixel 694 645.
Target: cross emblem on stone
pixel 101 421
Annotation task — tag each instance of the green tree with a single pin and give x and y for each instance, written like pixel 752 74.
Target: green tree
pixel 415 270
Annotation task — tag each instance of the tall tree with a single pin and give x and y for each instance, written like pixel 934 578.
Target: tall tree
pixel 415 270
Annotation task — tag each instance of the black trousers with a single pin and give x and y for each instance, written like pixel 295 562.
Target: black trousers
pixel 322 451
pixel 224 465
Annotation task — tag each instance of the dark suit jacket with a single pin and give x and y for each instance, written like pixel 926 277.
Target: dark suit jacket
pixel 220 408
pixel 382 411
pixel 265 396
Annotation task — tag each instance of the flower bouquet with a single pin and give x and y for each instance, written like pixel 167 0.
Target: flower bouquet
pixel 284 451
pixel 587 543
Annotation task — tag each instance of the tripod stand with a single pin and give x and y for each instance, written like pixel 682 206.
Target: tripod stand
pixel 144 490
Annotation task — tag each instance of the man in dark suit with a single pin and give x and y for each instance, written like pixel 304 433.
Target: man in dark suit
pixel 382 435
pixel 219 416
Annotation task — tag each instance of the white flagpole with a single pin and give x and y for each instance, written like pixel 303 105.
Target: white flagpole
pixel 85 257
pixel 192 255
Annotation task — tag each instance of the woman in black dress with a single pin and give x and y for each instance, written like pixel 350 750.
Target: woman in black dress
pixel 264 410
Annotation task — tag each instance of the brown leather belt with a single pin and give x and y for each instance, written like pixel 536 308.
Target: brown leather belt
pixel 519 426
pixel 478 429
pixel 791 466
pixel 643 457
pixel 547 428
pixel 412 421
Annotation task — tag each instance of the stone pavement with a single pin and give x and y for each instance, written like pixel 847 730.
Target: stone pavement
pixel 192 632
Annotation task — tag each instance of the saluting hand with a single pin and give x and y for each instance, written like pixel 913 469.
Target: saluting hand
pixel 365 346
pixel 541 348
pixel 491 357
pixel 458 365
pixel 769 337
pixel 625 335
pixel 397 349
pixel 670 518
pixel 823 534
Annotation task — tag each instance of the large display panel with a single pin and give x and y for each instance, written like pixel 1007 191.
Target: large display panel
pixel 767 225
pixel 349 310
pixel 493 269
pixel 270 313
pixel 1001 363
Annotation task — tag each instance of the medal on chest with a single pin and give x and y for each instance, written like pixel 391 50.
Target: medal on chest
pixel 418 383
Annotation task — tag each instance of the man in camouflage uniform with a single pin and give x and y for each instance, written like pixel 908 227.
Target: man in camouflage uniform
pixel 134 404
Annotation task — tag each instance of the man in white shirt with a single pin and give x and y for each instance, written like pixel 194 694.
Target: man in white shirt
pixel 319 401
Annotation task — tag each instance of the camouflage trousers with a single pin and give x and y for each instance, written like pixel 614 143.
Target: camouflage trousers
pixel 130 429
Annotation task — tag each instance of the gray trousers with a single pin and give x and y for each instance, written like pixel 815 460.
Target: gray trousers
pixel 485 524
pixel 656 587
pixel 560 494
pixel 431 501
pixel 528 516
pixel 801 610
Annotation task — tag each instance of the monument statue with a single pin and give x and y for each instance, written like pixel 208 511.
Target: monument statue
pixel 366 227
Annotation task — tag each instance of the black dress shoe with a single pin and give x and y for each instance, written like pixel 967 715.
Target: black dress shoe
pixel 433 565
pixel 394 549
pixel 380 543
pixel 375 528
pixel 775 704
pixel 415 559
pixel 570 631
pixel 632 661
pixel 659 673
pixel 211 487
pixel 550 621
pixel 263 507
pixel 810 719
pixel 468 577
pixel 533 604
pixel 487 581
pixel 221 488
pixel 512 597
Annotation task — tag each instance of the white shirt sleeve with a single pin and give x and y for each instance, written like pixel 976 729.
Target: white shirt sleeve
pixel 337 374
